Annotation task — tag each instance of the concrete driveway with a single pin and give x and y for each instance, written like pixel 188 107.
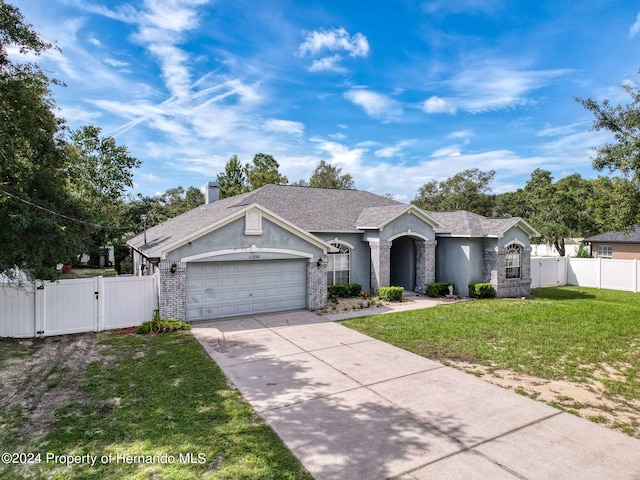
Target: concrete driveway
pixel 351 407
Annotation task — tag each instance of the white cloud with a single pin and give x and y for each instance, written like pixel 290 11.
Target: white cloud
pixel 339 153
pixel 485 85
pixel 375 104
pixel 450 151
pixel 115 63
pixel 327 63
pixel 563 130
pixel 284 126
pixel 394 150
pixel 635 28
pixel 460 134
pixel 337 40
pixel 438 105
pixel 388 152
pixel 494 85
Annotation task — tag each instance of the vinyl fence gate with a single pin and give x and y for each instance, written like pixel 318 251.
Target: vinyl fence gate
pixel 75 306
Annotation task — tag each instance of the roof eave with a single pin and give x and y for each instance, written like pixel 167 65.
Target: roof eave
pixel 278 220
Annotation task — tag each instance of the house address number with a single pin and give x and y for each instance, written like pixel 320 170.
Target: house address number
pixel 254 257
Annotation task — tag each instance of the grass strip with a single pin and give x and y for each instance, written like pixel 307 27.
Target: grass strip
pixel 157 407
pixel 569 333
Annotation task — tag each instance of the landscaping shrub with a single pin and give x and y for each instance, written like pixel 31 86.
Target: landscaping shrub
pixel 391 294
pixel 438 289
pixel 344 290
pixel 157 326
pixel 481 290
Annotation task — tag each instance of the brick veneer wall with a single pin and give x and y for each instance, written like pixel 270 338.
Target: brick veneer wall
pixel 173 291
pixel 316 284
pixel 425 264
pixel 380 264
pixel 495 272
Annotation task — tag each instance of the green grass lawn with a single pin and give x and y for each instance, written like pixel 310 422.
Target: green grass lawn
pixel 152 396
pixel 567 333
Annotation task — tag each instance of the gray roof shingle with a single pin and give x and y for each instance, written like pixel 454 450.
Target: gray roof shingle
pixel 617 237
pixel 313 210
pixel 467 224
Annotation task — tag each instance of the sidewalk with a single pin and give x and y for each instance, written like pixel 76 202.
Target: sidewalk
pixel 351 407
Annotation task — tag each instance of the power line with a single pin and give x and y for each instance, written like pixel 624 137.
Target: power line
pixel 48 210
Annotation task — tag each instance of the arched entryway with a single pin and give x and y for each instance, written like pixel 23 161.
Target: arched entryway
pixel 403 262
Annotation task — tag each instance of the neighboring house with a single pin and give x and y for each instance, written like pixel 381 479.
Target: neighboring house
pixel 278 247
pixel 617 245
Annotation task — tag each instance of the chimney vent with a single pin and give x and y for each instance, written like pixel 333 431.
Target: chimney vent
pixel 212 192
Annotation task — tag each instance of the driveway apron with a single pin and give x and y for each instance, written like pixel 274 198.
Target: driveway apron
pixel 352 407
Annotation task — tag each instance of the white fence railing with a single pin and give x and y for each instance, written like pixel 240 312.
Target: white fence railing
pixel 74 306
pixel 586 272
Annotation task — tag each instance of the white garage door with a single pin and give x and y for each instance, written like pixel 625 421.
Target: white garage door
pixel 227 289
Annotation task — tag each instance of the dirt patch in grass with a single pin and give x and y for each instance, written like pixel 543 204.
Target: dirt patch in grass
pixel 590 400
pixel 44 381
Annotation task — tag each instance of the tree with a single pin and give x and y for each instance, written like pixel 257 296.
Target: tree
pixel 467 190
pixel 264 171
pixel 559 210
pixel 232 181
pixel 622 155
pixel 97 167
pixel 99 171
pixel 41 222
pixel 328 176
pixel 159 208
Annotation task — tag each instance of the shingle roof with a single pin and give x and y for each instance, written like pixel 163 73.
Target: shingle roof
pixel 617 237
pixel 461 223
pixel 313 210
pixel 376 216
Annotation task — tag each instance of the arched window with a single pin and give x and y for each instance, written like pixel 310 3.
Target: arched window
pixel 512 261
pixel 339 265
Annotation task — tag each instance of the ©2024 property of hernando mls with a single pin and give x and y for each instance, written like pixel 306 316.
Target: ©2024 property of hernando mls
pixel 278 247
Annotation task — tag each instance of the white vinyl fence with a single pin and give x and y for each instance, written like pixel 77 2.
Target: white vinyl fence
pixel 74 306
pixel 586 272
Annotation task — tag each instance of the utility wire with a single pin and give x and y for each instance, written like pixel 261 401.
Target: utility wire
pixel 45 209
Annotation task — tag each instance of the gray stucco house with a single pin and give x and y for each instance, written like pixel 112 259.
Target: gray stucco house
pixel 278 247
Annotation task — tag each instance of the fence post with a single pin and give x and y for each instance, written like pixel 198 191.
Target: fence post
pixel 599 273
pixel 99 289
pixel 634 275
pixel 40 310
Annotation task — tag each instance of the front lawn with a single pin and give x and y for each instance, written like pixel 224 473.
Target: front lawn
pixel 587 337
pixel 141 407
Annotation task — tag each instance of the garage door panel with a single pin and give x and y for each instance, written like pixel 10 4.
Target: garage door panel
pixel 244 267
pixel 227 281
pixel 195 299
pixel 195 283
pixel 226 289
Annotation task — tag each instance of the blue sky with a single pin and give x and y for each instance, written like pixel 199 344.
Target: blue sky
pixel 396 93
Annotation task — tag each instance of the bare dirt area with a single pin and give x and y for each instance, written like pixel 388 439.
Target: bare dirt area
pixel 38 377
pixel 588 400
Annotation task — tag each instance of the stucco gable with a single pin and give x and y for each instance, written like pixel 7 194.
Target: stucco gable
pixel 376 218
pixel 249 212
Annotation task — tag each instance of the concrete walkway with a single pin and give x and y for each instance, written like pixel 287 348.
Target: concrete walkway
pixel 351 407
pixel 412 301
